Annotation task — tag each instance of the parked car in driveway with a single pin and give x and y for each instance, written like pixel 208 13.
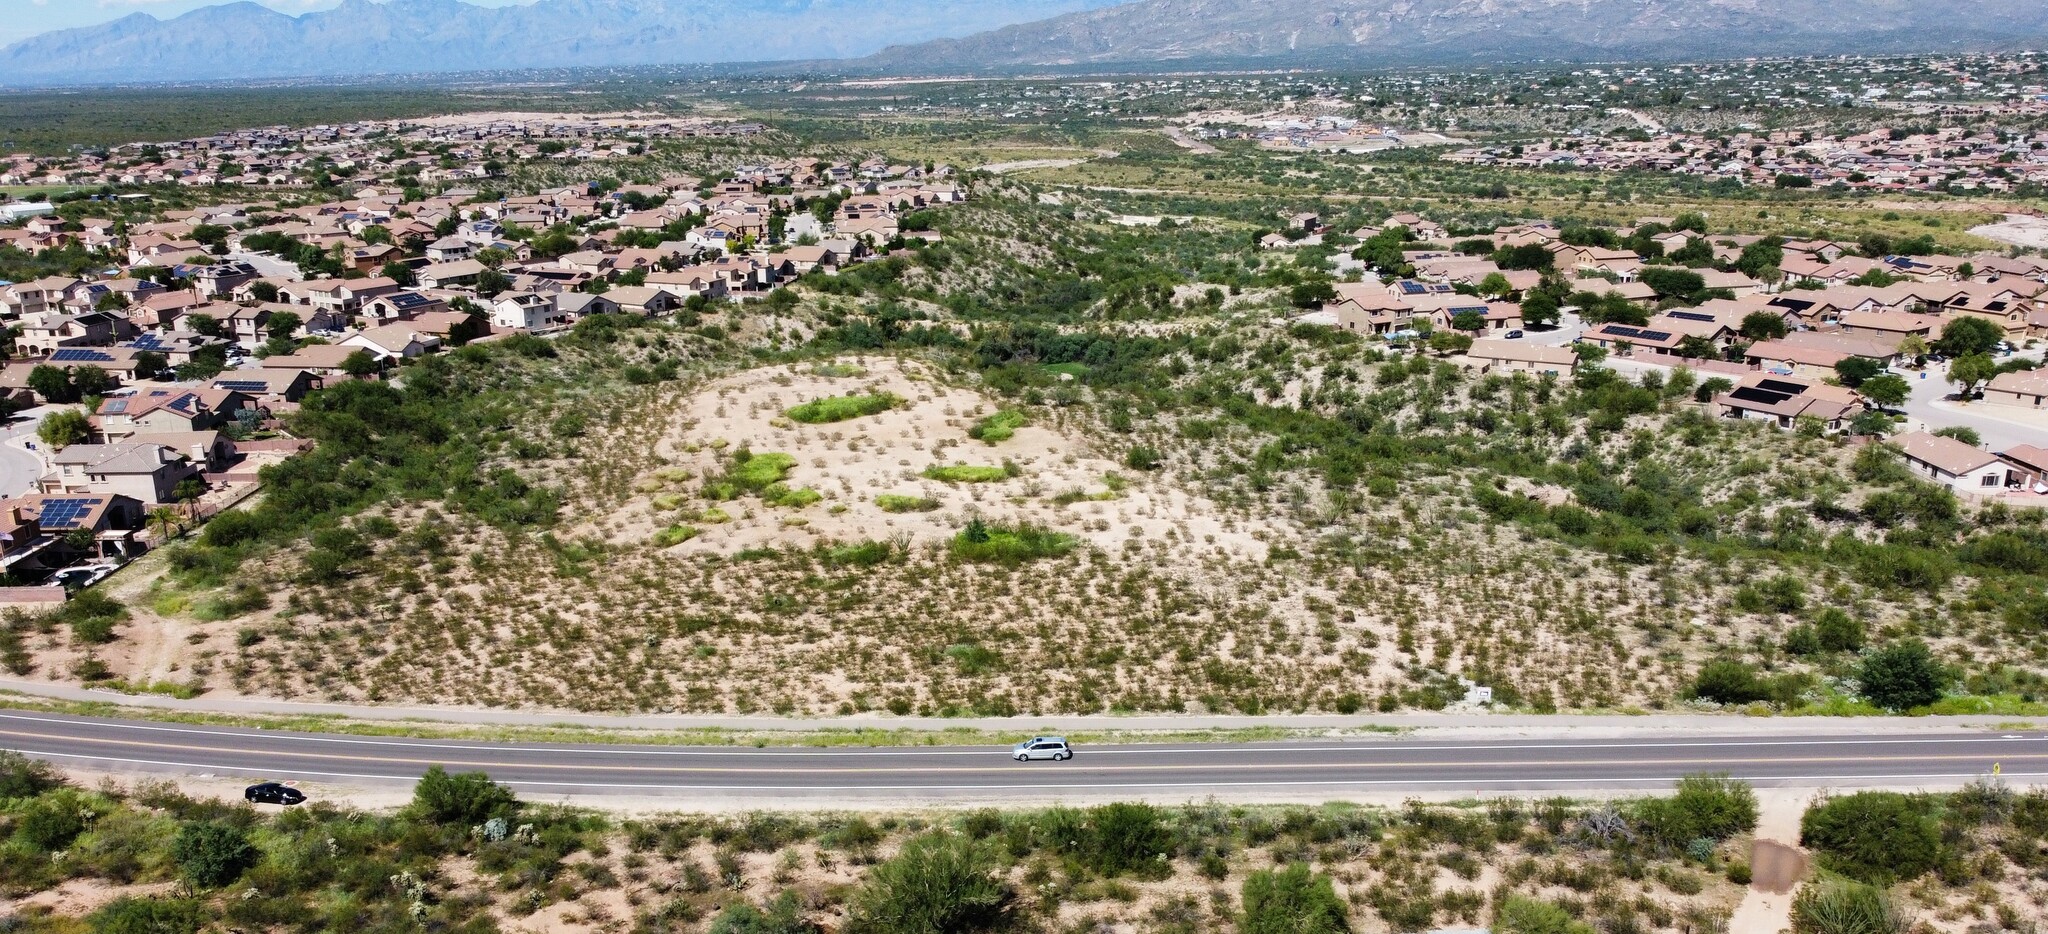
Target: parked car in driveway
pixel 1515 334
pixel 274 793
pixel 1042 747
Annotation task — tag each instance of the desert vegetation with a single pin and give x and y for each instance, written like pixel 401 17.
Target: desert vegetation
pixel 466 855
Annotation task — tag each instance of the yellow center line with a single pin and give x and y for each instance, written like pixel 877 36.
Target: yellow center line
pixel 1718 762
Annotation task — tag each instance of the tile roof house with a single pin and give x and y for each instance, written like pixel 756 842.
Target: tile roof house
pixel 162 409
pixel 393 342
pixel 269 386
pixel 1506 356
pixel 2023 388
pixel 146 472
pixel 1962 467
pixel 1782 399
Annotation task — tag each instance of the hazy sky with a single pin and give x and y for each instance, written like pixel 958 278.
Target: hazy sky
pixel 20 19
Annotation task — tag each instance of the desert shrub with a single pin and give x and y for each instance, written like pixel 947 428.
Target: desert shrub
pixel 92 616
pixel 1842 907
pixel 967 473
pixel 1709 807
pixel 1838 631
pixel 468 798
pixel 23 777
pixel 1292 901
pixel 1001 426
pixel 1126 839
pixel 211 854
pixel 1781 594
pixel 898 503
pixel 1142 457
pixel 1873 836
pixel 674 535
pixel 1009 544
pixel 939 884
pixel 1728 681
pixel 860 554
pixel 127 915
pixel 1521 915
pixel 841 408
pixel 49 823
pixel 1902 676
pixel 974 659
pixel 779 494
pixel 781 917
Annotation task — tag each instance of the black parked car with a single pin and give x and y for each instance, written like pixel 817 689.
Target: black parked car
pixel 274 793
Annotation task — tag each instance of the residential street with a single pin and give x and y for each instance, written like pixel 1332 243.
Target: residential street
pixel 20 468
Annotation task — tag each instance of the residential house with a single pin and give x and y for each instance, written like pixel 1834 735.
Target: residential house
pixel 1516 356
pixel 158 410
pixel 446 275
pixel 2022 388
pixel 318 359
pixel 1784 399
pixel 46 333
pixel 644 300
pixel 393 342
pixel 1962 467
pixel 269 386
pixel 149 473
pixel 527 311
pixel 211 450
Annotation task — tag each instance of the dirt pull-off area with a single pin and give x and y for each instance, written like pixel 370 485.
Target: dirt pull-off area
pixel 2017 229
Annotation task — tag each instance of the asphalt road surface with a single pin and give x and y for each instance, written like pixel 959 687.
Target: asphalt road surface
pixel 782 774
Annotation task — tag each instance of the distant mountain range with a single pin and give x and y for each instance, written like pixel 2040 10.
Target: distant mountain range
pixel 360 37
pixel 245 40
pixel 1390 32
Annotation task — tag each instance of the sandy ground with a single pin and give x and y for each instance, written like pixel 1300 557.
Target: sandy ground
pixel 852 462
pixel 2017 229
pixel 1776 864
pixel 1183 140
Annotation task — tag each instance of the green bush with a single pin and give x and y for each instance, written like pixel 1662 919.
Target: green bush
pixel 964 473
pixel 1780 594
pixel 1838 631
pixel 1521 915
pixel 127 915
pixel 756 472
pixel 781 917
pixel 23 777
pixel 1010 544
pixel 1873 836
pixel 841 408
pixel 782 495
pixel 1292 901
pixel 211 854
pixel 896 502
pixel 1840 907
pixel 1902 676
pixel 1705 807
pixel 1002 426
pixel 1728 681
pixel 1127 839
pixel 939 884
pixel 1141 457
pixel 466 799
pixel 865 554
pixel 674 535
pixel 49 823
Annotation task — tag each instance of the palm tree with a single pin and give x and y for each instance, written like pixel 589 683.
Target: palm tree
pixel 164 517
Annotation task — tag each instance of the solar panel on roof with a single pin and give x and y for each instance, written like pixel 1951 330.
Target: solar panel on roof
pixel 1773 385
pixel 1656 335
pixel 1412 288
pixel 1623 330
pixel 115 406
pixel 242 385
pixel 1691 316
pixel 80 355
pixel 1759 395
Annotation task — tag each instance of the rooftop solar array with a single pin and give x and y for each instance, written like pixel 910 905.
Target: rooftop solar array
pixel 1692 316
pixel 1790 389
pixel 114 407
pixel 148 342
pixel 1635 333
pixel 1760 395
pixel 1412 288
pixel 242 385
pixel 68 513
pixel 80 355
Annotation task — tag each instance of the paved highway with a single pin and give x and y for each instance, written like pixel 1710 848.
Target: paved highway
pixel 1378 765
